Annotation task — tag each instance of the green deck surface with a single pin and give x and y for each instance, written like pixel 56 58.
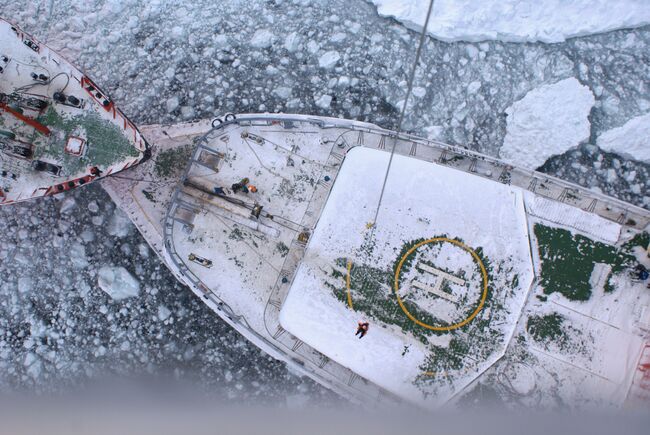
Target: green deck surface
pixel 568 261
pixel 105 142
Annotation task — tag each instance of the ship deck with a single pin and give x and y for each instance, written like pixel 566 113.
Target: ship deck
pixel 270 262
pixel 58 130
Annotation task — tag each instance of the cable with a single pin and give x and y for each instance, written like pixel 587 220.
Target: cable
pixel 262 164
pixel 288 150
pixel 29 86
pixel 34 65
pixel 66 83
pixel 139 180
pixel 401 116
pixel 373 224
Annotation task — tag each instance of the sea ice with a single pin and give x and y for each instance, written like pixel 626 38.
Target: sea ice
pixel 262 38
pixel 77 255
pixel 517 20
pixel 87 236
pixel 163 313
pixel 473 87
pixel 292 42
pixel 187 112
pixel 329 59
pixel 283 92
pixel 68 204
pixel 117 282
pixel 25 284
pixel 119 225
pixel 324 101
pixel 548 121
pixel 143 250
pixel 631 140
pixel 434 132
pixel 172 104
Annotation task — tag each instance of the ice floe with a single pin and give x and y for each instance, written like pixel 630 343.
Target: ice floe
pixel 117 282
pixel 517 20
pixel 631 140
pixel 548 121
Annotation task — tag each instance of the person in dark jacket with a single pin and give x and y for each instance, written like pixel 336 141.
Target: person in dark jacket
pixel 241 186
pixel 362 329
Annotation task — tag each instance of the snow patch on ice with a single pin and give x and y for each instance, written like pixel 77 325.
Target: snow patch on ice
pixel 172 104
pixel 33 365
pixel 473 87
pixel 631 140
pixel 283 92
pixel 163 313
pixel 25 284
pixel 77 254
pixel 329 59
pixel 263 38
pixel 68 204
pixel 292 42
pixel 434 132
pixel 548 121
pixel 93 207
pixel 117 282
pixel 517 20
pixel 143 250
pixel 324 101
pixel 119 224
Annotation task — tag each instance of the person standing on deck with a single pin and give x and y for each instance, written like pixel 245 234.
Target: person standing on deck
pixel 362 329
pixel 241 186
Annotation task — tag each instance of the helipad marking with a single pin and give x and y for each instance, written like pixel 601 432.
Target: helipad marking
pixel 441 274
pixel 455 325
pixel 435 290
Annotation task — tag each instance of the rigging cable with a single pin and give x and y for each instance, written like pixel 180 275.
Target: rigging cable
pixel 402 113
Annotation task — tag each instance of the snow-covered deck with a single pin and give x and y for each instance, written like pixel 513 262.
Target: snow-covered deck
pixel 422 200
pixel 256 261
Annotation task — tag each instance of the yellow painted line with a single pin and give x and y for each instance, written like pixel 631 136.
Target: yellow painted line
pixel 135 198
pixel 347 284
pixel 455 325
pixel 444 373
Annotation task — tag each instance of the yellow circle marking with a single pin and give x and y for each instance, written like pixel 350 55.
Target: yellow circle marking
pixel 347 284
pixel 455 325
pixel 443 373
